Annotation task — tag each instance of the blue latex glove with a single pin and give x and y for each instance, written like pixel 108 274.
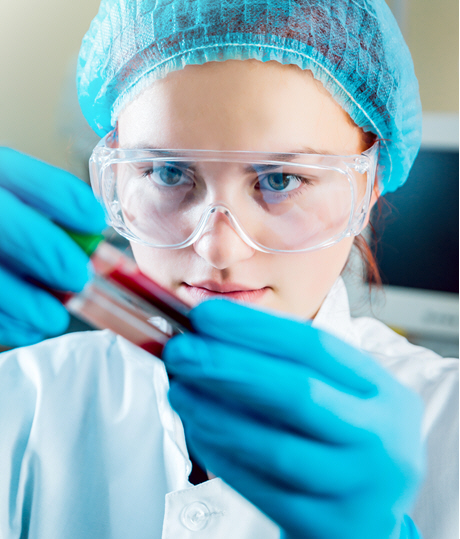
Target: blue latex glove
pixel 309 429
pixel 32 195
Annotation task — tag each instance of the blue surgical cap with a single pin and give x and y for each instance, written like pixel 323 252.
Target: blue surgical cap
pixel 354 47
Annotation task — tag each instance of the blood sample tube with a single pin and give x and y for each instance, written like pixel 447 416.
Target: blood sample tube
pixel 122 299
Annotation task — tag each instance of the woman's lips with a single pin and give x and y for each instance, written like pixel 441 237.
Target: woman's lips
pixel 231 291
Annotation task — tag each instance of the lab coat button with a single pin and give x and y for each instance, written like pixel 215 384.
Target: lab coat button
pixel 195 516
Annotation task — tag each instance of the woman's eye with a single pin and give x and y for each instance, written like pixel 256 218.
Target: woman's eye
pixel 279 182
pixel 167 175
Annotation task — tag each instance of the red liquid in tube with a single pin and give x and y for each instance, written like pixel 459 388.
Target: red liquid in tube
pixel 122 299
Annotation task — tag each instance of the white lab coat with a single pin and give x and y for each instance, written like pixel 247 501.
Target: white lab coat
pixel 91 449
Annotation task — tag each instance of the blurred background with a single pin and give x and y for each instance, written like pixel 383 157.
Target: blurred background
pixel 418 236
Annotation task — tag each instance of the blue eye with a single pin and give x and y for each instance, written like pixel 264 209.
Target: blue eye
pixel 167 175
pixel 279 182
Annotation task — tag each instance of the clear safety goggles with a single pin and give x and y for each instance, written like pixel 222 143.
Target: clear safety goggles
pixel 277 203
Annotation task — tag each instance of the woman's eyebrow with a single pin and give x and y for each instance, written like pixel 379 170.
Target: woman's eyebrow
pixel 142 146
pixel 291 155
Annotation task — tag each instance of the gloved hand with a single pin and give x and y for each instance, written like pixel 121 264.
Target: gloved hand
pixel 309 429
pixel 32 195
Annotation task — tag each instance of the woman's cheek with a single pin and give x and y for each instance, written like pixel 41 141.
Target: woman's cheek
pixel 303 280
pixel 161 265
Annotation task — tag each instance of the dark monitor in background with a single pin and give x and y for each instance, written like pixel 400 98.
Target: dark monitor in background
pixel 418 241
pixel 417 246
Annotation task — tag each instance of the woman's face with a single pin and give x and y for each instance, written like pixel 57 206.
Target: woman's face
pixel 249 106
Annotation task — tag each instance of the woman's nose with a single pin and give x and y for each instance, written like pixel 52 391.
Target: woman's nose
pixel 220 245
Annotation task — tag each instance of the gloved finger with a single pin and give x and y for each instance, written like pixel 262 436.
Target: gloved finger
pixel 298 342
pixel 408 529
pixel 26 309
pixel 32 245
pixel 15 333
pixel 302 515
pixel 292 461
pixel 54 192
pixel 287 393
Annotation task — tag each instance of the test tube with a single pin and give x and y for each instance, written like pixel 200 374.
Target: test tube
pixel 122 299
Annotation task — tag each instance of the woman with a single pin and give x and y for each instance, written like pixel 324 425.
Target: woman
pixel 244 146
